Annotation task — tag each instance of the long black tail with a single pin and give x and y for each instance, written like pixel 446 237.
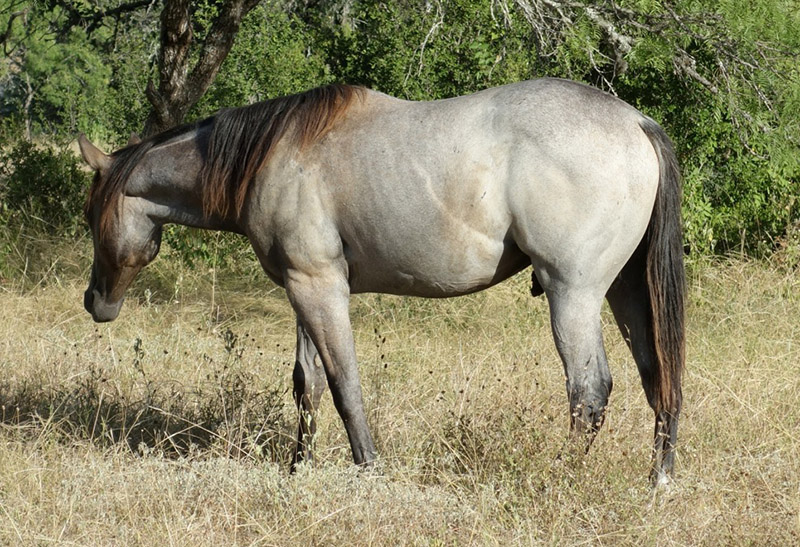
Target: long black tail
pixel 666 276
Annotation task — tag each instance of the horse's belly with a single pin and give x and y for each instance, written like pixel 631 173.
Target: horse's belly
pixel 434 272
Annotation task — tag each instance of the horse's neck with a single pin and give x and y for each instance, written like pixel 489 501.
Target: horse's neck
pixel 172 184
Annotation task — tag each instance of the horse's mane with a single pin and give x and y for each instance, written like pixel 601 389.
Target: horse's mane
pixel 239 145
pixel 243 138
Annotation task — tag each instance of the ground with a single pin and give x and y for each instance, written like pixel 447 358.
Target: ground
pixel 174 425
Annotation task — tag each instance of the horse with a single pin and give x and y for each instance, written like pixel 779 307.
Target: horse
pixel 344 190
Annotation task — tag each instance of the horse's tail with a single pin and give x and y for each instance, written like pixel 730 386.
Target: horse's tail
pixel 666 277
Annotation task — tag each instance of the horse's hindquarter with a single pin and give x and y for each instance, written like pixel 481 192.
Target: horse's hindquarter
pixel 436 199
pixel 582 183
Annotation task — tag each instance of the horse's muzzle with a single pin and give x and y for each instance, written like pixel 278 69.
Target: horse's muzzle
pixel 101 310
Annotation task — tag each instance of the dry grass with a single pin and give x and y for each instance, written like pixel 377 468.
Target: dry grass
pixel 183 438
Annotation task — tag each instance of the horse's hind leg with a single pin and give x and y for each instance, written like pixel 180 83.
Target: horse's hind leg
pixel 309 385
pixel 575 320
pixel 629 299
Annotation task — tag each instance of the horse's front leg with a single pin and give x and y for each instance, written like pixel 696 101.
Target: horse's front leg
pixel 321 301
pixel 309 385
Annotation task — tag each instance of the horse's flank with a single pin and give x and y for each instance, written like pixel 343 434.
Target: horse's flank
pixel 240 142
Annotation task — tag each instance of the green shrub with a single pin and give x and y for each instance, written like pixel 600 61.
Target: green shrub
pixel 48 184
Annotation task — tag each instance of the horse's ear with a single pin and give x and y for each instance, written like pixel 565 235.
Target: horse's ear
pixel 92 155
pixel 134 139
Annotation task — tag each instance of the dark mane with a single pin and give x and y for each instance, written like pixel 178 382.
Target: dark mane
pixel 243 138
pixel 240 143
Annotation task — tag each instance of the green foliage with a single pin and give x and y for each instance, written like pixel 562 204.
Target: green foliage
pixel 46 183
pixel 270 58
pixel 57 82
pixel 73 81
pixel 429 50
pixel 196 248
pixel 739 145
pixel 124 105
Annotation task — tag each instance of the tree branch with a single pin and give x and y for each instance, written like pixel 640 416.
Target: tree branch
pixel 176 40
pixel 90 18
pixel 7 34
pixel 217 45
pixel 98 17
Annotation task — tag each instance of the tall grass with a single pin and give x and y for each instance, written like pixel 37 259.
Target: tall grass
pixel 175 424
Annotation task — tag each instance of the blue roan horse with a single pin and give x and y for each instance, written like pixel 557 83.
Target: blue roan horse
pixel 344 190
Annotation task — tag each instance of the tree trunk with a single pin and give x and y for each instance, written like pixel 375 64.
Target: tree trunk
pixel 180 85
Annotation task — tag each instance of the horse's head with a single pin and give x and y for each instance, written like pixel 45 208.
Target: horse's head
pixel 125 236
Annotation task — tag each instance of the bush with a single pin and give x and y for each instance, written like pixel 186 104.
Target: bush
pixel 46 183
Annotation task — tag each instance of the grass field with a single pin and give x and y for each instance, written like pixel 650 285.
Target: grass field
pixel 174 425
